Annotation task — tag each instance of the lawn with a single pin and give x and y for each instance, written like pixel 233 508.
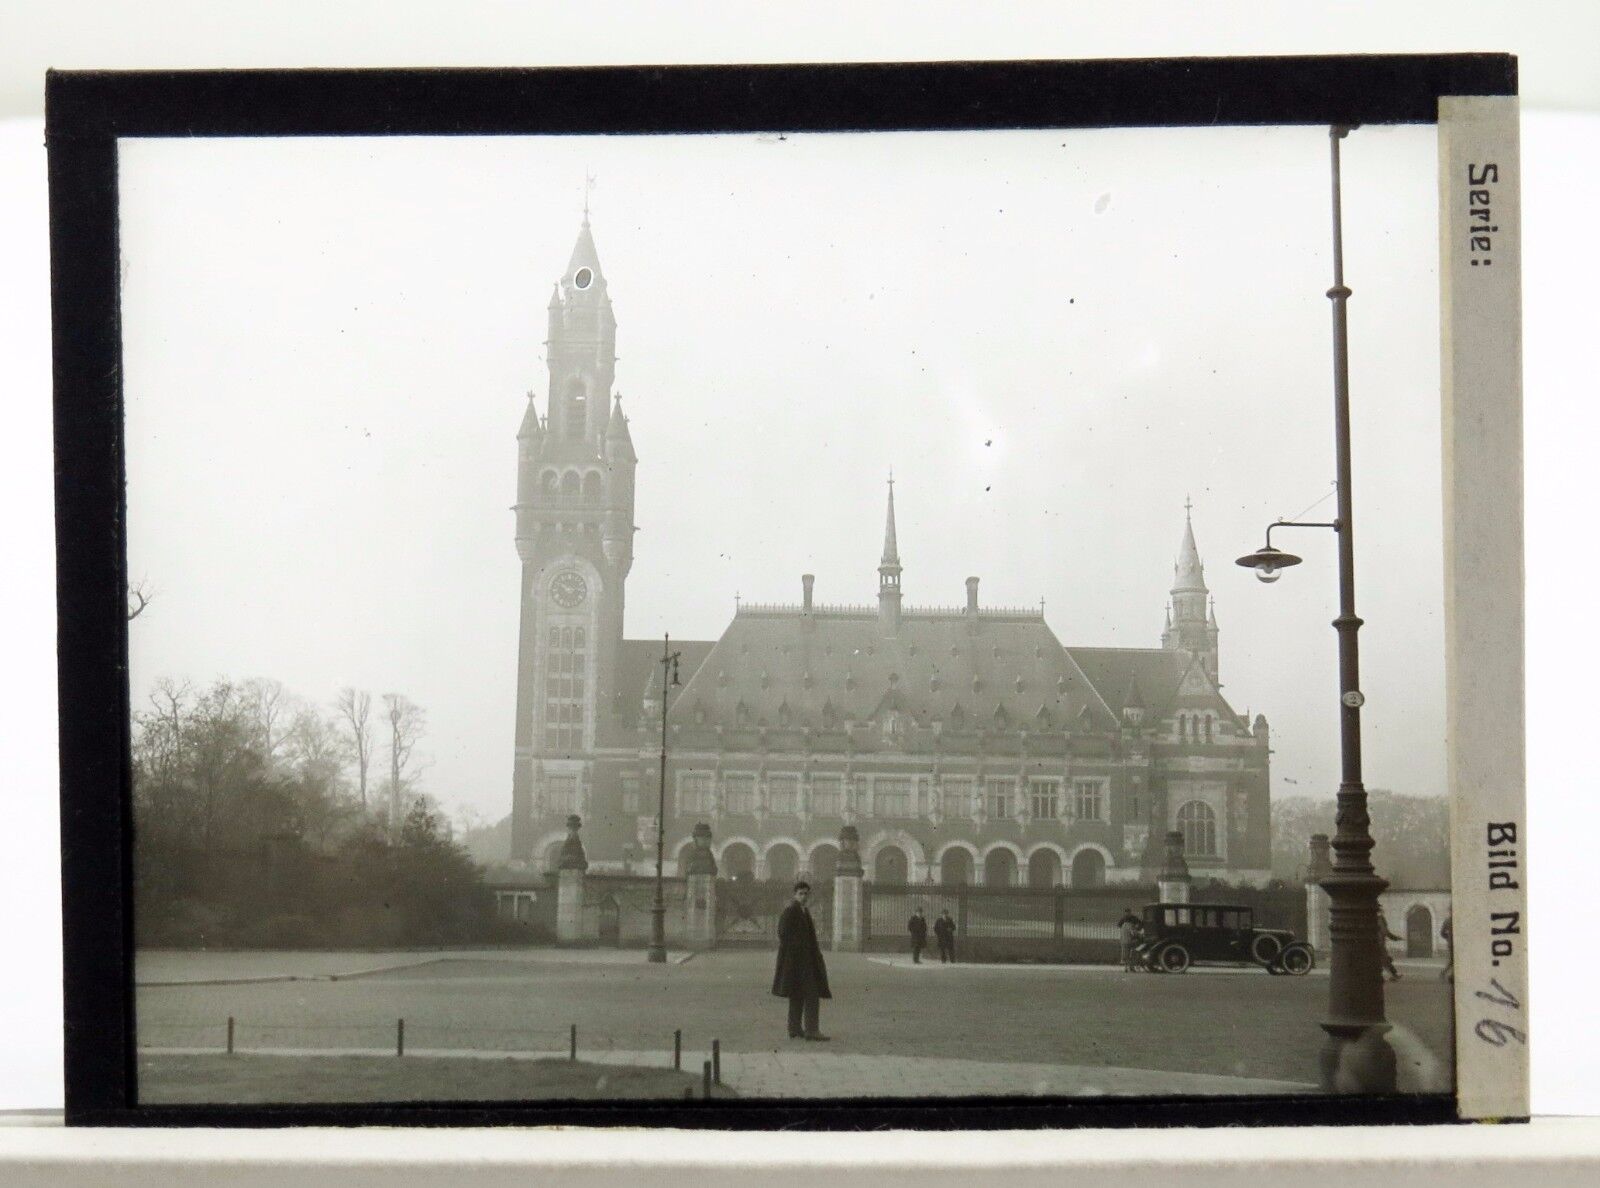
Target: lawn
pixel 265 1080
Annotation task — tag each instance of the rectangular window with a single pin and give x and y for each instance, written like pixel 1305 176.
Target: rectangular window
pixel 630 794
pixel 740 793
pixel 694 792
pixel 998 792
pixel 1089 800
pixel 827 796
pixel 957 795
pixel 891 796
pixel 564 689
pixel 561 793
pixel 785 793
pixel 1045 799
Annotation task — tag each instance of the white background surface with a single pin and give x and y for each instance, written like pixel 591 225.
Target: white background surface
pixel 1561 162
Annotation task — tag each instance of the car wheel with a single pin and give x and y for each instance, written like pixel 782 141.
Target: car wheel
pixel 1173 958
pixel 1264 948
pixel 1297 960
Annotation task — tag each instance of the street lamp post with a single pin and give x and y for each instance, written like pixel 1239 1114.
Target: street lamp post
pixel 1356 1057
pixel 658 904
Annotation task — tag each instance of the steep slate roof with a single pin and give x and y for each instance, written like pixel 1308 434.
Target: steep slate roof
pixel 769 660
pixel 1167 681
pixel 639 670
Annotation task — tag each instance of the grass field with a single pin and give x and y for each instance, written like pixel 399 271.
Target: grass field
pixel 265 1080
pixel 1242 1023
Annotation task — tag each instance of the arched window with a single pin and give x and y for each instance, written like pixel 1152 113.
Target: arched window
pixel 570 487
pixel 592 489
pixel 547 484
pixel 1183 727
pixel 577 637
pixel 1199 826
pixel 1208 727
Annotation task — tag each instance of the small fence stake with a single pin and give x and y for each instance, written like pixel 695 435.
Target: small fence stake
pixel 677 1049
pixel 688 1092
pixel 573 1052
pixel 230 1035
pixel 716 1061
pixel 705 1079
pixel 400 1037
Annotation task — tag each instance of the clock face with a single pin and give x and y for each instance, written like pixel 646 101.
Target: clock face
pixel 569 589
pixel 583 279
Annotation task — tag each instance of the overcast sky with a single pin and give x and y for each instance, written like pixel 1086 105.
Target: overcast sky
pixel 1052 337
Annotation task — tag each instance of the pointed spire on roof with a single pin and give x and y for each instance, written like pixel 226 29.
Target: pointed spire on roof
pixel 555 295
pixel 1211 615
pixel 1134 698
pixel 618 439
pixel 584 255
pixel 891 547
pixel 1188 573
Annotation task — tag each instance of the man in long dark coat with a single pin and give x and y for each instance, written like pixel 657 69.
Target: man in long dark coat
pixel 918 927
pixel 801 976
pixel 944 931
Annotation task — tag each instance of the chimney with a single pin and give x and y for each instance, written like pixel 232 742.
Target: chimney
pixel 806 582
pixel 972 596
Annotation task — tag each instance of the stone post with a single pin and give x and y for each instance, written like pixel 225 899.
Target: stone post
pixel 847 874
pixel 1172 885
pixel 569 884
pixel 700 891
pixel 1318 905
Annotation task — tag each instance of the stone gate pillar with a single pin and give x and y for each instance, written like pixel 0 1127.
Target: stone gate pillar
pixel 569 884
pixel 1172 885
pixel 847 929
pixel 700 892
pixel 1318 905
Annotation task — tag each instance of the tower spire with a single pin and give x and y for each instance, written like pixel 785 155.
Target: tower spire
pixel 891 548
pixel 1191 622
pixel 889 572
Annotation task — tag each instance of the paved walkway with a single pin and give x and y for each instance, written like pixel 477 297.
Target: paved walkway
pixel 1419 967
pixel 803 1071
pixel 174 967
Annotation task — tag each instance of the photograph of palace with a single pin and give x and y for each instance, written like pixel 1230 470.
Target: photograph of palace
pixel 590 595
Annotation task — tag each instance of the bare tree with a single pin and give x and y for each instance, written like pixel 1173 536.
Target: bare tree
pixel 406 723
pixel 355 708
pixel 267 704
pixel 139 596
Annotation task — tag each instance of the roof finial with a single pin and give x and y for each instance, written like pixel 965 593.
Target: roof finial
pixel 1188 504
pixel 588 187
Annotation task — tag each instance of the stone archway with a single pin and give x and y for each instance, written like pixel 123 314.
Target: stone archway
pixel 738 861
pixel 1419 931
pixel 1088 868
pixel 783 862
pixel 823 862
pixel 889 866
pixel 1000 868
pixel 1044 868
pixel 955 867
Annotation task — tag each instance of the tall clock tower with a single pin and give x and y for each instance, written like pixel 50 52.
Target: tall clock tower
pixel 575 472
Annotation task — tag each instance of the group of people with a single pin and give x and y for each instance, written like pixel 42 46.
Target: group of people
pixel 944 932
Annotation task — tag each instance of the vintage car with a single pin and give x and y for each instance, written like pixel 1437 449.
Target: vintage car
pixel 1176 935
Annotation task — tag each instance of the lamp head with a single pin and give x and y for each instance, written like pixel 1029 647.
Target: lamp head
pixel 1268 562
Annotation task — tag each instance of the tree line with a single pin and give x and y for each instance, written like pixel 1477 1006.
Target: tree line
pixel 1412 836
pixel 262 819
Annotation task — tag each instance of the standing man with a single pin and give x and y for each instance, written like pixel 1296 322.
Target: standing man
pixel 918 927
pixel 1128 936
pixel 944 931
pixel 1384 937
pixel 801 976
pixel 1448 932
